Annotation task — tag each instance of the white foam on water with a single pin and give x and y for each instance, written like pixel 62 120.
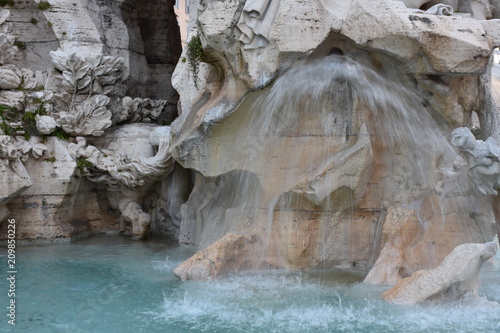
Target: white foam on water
pixel 166 265
pixel 284 302
pixel 65 292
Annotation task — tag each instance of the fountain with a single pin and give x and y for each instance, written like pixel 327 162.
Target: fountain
pixel 336 155
pixel 346 147
pixel 306 150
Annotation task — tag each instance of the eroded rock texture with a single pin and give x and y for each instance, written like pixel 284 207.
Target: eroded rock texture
pixel 455 278
pixel 84 88
pixel 325 136
pixel 310 134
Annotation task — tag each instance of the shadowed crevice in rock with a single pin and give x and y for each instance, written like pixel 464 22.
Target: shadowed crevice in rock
pixel 154 39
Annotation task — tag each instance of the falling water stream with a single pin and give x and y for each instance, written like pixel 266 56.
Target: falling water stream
pixel 114 285
pixel 303 151
pixel 314 112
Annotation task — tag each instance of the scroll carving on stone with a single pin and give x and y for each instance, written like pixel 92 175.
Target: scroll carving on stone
pixel 477 9
pixel 114 168
pixel 256 21
pixel 127 178
pixel 439 9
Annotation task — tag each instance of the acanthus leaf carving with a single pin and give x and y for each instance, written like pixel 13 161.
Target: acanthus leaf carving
pixel 59 60
pixel 33 145
pixel 86 75
pixel 81 89
pixel 10 77
pixel 88 118
pixel 138 109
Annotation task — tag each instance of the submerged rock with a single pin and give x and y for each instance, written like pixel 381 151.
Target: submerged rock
pixel 457 276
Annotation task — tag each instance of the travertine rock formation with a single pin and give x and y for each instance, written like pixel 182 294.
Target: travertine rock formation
pixel 72 75
pixel 230 254
pixel 15 178
pixel 455 277
pixel 407 245
pixel 312 138
pixel 306 127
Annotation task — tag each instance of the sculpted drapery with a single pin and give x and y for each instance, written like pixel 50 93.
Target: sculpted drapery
pixel 256 21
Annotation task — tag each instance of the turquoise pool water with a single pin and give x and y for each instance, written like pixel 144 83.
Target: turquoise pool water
pixel 113 284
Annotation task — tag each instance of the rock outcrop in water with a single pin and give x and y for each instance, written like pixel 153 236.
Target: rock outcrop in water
pixel 457 276
pixel 319 128
pixel 318 138
pixel 230 254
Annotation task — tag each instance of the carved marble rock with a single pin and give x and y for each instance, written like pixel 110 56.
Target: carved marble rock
pixel 372 24
pixel 131 159
pixel 230 254
pixel 123 167
pixel 483 160
pixel 308 224
pixel 67 80
pixel 15 178
pixel 456 276
pixel 255 22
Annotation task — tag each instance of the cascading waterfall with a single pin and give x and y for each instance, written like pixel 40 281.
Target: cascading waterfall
pixel 304 151
pixel 290 195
